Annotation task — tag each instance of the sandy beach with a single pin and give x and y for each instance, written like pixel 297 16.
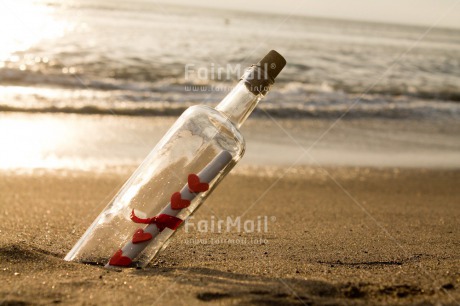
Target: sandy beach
pixel 335 236
pixel 348 190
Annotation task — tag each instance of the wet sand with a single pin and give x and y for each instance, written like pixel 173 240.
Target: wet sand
pixel 334 236
pixel 94 142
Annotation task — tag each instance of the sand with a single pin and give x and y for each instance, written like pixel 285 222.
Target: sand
pixel 334 236
pixel 95 142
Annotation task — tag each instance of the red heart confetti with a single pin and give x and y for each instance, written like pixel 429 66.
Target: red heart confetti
pixel 119 260
pixel 140 236
pixel 177 202
pixel 194 184
pixel 162 221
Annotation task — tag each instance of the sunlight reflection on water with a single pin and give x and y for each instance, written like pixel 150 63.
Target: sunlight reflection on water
pixel 26 24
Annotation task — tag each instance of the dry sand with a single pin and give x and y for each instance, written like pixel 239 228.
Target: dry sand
pixel 388 237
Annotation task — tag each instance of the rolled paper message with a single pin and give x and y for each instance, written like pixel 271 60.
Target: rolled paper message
pixel 167 218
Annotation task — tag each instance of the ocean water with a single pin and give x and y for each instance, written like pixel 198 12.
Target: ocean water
pixel 131 57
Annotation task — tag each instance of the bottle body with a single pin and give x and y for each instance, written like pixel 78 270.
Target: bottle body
pixel 176 177
pixel 200 137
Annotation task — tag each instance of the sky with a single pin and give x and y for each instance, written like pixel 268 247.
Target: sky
pixel 443 13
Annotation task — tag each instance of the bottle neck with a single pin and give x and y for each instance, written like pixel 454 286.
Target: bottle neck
pixel 242 100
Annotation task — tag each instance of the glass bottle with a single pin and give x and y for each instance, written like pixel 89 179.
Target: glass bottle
pixel 177 176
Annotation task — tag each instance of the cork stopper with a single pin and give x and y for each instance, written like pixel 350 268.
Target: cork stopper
pixel 261 76
pixel 272 63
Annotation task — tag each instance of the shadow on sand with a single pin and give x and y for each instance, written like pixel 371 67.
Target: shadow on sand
pixel 219 286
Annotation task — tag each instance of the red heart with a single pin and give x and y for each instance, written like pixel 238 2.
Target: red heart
pixel 119 260
pixel 140 236
pixel 177 202
pixel 194 184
